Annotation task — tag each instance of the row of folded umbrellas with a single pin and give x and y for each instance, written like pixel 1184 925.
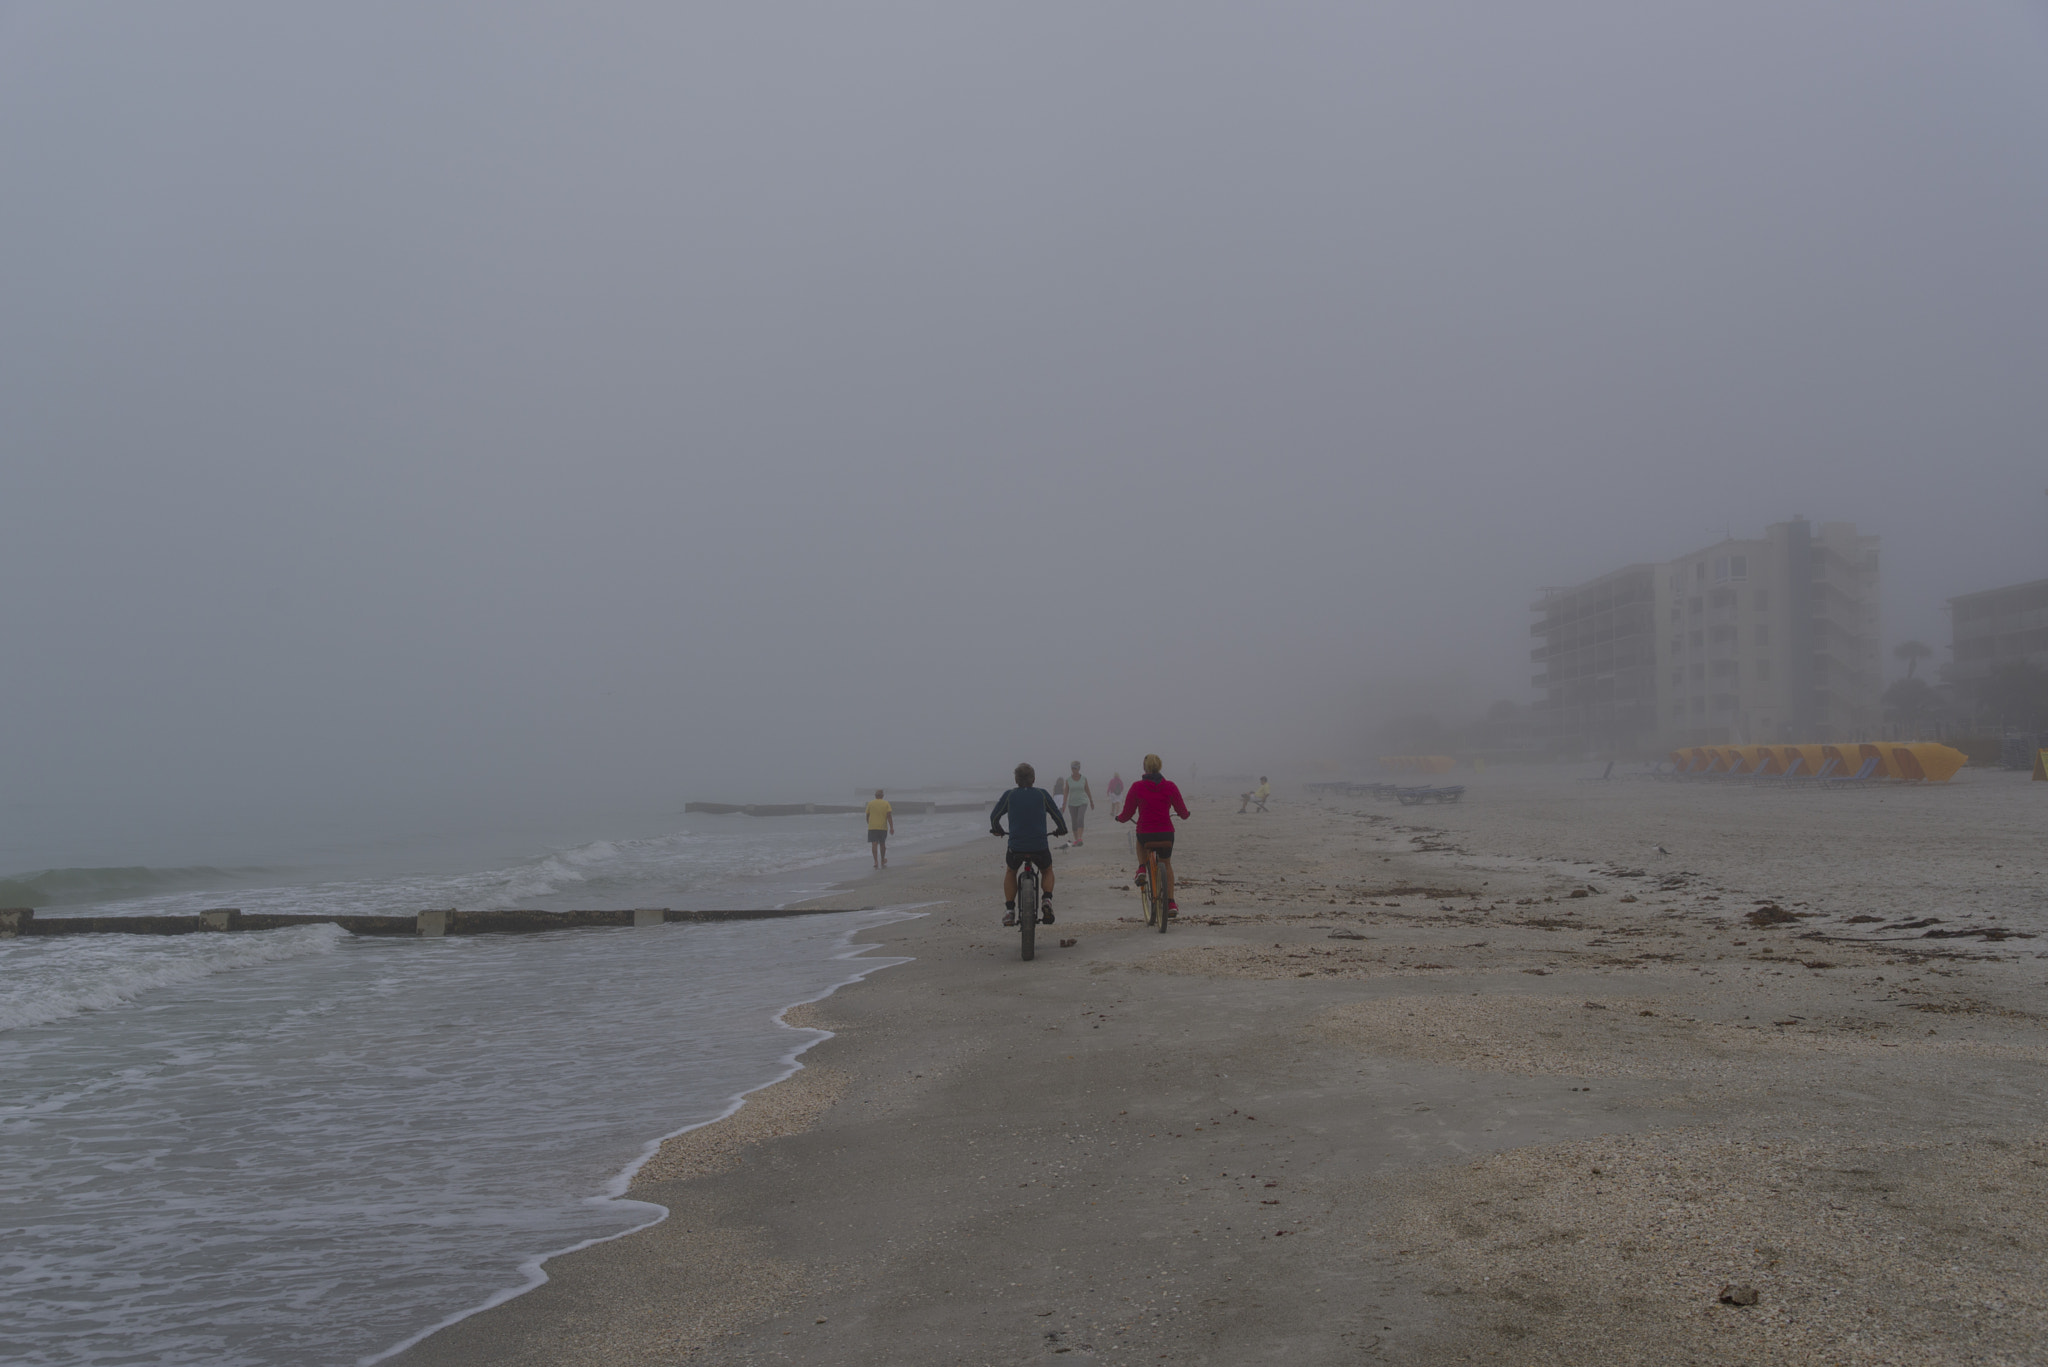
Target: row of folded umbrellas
pixel 1910 761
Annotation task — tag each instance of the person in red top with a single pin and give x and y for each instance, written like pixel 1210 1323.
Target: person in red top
pixel 1154 799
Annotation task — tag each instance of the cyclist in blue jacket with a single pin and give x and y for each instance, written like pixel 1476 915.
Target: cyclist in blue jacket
pixel 1029 809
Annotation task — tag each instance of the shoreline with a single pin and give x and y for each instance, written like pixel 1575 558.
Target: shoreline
pixel 1447 1053
pixel 618 1188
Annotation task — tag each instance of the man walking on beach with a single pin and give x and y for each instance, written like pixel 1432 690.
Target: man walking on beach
pixel 1028 809
pixel 881 825
pixel 1079 798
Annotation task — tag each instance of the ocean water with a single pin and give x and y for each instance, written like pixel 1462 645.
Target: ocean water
pixel 685 861
pixel 305 1147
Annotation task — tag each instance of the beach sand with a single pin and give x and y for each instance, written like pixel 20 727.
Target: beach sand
pixel 1531 1079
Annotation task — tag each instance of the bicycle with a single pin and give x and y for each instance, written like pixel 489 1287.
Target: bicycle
pixel 1027 908
pixel 1155 900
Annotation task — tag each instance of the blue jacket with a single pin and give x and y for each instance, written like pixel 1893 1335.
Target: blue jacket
pixel 1028 809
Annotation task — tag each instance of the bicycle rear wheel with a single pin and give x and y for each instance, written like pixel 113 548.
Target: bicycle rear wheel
pixel 1027 911
pixel 1155 896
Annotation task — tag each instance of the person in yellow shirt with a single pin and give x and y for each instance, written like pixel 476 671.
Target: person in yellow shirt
pixel 881 825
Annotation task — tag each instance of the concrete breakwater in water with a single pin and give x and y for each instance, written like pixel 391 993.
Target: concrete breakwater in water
pixel 18 921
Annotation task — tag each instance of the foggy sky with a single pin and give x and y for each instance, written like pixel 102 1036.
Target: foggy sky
pixel 411 407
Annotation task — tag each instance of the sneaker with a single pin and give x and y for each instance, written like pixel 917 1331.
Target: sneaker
pixel 1139 881
pixel 1045 912
pixel 1172 907
pixel 1009 918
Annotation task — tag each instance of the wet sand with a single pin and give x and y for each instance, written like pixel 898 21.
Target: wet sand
pixel 1526 1080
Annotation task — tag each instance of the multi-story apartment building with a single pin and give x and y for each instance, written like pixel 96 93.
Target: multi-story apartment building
pixel 1995 627
pixel 1775 638
pixel 1599 658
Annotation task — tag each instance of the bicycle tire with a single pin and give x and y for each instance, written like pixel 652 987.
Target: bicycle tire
pixel 1155 899
pixel 1027 915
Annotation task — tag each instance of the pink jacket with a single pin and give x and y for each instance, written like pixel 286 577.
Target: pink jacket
pixel 1154 799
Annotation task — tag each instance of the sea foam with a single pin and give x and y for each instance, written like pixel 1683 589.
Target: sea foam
pixel 307 1161
pixel 47 978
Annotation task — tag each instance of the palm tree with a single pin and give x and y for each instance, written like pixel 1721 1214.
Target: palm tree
pixel 1912 652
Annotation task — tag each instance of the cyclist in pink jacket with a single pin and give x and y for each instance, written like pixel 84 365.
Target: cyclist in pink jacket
pixel 1154 799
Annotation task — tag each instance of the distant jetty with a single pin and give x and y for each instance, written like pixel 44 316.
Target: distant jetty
pixel 826 808
pixel 19 921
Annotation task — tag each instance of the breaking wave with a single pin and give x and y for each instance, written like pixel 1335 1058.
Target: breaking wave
pixel 71 887
pixel 44 979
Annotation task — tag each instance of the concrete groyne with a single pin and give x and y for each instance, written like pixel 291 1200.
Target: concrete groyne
pixel 19 921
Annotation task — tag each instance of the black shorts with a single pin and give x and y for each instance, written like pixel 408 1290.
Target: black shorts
pixel 1159 844
pixel 1015 858
pixel 880 837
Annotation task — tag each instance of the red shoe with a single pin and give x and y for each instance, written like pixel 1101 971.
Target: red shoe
pixel 1172 907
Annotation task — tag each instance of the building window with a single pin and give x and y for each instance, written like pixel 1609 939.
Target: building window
pixel 1677 710
pixel 1677 583
pixel 1677 645
pixel 1699 638
pixel 1699 707
pixel 1763 600
pixel 1724 669
pixel 1678 678
pixel 1726 702
pixel 1728 567
pixel 1699 671
pixel 1724 633
pixel 1699 573
pixel 1763 671
pixel 1694 605
pixel 1723 598
pixel 1763 633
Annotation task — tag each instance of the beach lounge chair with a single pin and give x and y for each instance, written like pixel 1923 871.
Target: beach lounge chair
pixel 1415 797
pixel 1827 771
pixel 1867 774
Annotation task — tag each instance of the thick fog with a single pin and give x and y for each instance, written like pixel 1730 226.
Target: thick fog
pixel 412 409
